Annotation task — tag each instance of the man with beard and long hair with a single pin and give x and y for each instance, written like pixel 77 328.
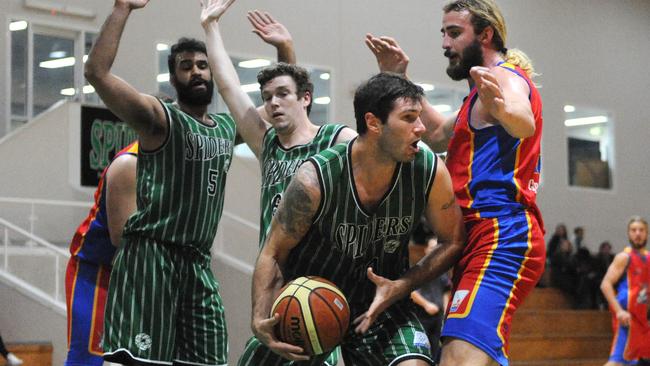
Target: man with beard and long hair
pixel 163 302
pixel 625 286
pixel 493 156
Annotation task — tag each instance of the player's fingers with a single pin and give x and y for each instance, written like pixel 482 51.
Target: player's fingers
pixel 359 319
pixel 390 40
pixel 255 14
pixel 376 279
pixel 254 21
pixel 371 46
pixel 268 17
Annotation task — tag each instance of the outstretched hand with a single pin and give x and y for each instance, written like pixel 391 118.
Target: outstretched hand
pixel 390 56
pixel 212 10
pixel 268 29
pixel 132 4
pixel 263 331
pixel 489 91
pixel 386 294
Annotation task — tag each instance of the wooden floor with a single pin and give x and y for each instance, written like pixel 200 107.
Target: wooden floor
pixel 546 331
pixel 32 354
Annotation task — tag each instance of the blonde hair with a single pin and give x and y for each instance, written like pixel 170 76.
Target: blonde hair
pixel 486 13
pixel 639 219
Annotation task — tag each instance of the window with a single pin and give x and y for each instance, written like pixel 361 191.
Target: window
pixel 46 67
pixel 590 147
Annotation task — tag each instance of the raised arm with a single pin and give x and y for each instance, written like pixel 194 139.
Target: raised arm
pixel 504 100
pixel 291 222
pixel 614 273
pixel 444 216
pixel 120 195
pixel 273 33
pixel 142 112
pixel 250 125
pixel 392 58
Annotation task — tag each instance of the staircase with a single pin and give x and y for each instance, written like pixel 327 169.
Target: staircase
pixel 545 331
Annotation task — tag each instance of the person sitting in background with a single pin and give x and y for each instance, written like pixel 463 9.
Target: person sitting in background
pixel 602 261
pixel 563 269
pixel 559 234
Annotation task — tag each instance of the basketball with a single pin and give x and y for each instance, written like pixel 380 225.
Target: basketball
pixel 314 314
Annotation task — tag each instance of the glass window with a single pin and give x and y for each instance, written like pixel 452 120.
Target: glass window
pixel 590 142
pixel 18 29
pixel 53 64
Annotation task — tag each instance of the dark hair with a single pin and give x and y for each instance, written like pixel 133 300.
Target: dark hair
pixel 378 96
pixel 299 75
pixel 183 45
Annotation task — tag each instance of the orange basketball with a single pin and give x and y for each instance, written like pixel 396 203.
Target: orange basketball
pixel 314 314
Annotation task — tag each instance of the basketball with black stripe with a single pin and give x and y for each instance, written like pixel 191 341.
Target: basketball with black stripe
pixel 314 314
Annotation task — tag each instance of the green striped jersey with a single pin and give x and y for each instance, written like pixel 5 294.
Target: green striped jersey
pixel 278 165
pixel 345 238
pixel 180 186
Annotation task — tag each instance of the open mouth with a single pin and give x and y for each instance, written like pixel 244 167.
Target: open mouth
pixel 277 114
pixel 415 146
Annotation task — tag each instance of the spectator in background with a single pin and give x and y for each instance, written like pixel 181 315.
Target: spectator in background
pixel 12 360
pixel 563 274
pixel 602 261
pixel 586 279
pixel 578 237
pixel 559 234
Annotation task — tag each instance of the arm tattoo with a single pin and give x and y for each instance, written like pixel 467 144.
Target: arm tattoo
pixel 449 204
pixel 297 208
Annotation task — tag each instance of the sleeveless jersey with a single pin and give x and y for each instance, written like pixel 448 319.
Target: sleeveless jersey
pixel 632 293
pixel 91 242
pixel 493 173
pixel 279 164
pixel 180 186
pixel 345 238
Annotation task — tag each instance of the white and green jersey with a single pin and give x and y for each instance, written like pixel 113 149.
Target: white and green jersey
pixel 345 238
pixel 180 186
pixel 279 164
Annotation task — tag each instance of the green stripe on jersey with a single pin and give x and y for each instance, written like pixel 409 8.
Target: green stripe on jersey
pixel 180 186
pixel 345 239
pixel 279 164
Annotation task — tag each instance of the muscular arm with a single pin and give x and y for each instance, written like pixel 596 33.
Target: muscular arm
pixel 503 99
pixel 250 125
pixel 345 135
pixel 142 112
pixel 614 273
pixel 120 195
pixel 290 224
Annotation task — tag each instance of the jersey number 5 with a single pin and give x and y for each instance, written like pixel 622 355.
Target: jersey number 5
pixel 212 181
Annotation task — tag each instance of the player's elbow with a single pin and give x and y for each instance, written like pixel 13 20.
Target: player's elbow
pixel 93 73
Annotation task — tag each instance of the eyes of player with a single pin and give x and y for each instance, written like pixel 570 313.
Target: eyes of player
pixel 187 65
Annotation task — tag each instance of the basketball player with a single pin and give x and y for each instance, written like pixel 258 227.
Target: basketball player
pixel 92 250
pixel 625 286
pixel 347 216
pixel 493 146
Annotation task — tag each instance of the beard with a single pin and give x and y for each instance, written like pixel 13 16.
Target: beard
pixel 471 56
pixel 190 96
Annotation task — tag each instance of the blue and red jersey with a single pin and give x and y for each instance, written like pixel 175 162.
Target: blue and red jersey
pixel 91 241
pixel 495 174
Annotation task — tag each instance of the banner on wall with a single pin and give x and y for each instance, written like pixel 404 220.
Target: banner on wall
pixel 102 136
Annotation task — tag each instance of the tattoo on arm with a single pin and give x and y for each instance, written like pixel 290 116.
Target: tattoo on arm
pixel 449 204
pixel 298 208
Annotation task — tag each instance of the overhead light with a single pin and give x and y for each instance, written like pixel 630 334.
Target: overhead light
pixel 87 89
pixel 162 47
pixel 58 54
pixel 596 131
pixel 569 108
pixel 426 87
pixel 325 76
pixel 254 63
pixel 161 78
pixel 250 88
pixel 17 25
pixel 442 108
pixel 322 100
pixel 572 122
pixel 57 63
